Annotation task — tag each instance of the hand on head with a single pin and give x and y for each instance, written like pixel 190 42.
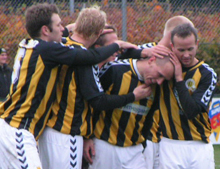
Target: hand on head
pixel 157 51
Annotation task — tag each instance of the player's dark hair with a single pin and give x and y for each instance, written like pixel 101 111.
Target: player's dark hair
pixel 39 15
pixel 101 40
pixel 184 31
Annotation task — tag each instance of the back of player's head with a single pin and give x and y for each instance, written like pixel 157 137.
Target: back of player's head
pixel 163 61
pixel 39 15
pixel 90 22
pixel 184 31
pixel 107 30
pixel 175 21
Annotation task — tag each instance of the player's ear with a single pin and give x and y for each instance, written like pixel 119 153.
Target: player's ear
pixel 151 59
pixel 45 30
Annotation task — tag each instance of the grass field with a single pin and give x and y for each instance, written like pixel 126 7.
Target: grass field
pixel 217 156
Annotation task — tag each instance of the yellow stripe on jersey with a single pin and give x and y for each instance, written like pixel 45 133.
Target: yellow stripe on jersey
pixel 25 108
pixel 42 107
pixel 31 91
pixel 66 103
pixel 123 126
pixel 174 124
pixel 155 128
pixel 17 93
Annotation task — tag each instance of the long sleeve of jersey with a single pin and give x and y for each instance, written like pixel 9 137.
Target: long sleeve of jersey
pixel 92 91
pixel 107 102
pixel 199 99
pixel 131 53
pixel 56 53
pixel 188 103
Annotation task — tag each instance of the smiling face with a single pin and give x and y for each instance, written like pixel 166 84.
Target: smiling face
pixel 185 49
pixel 157 72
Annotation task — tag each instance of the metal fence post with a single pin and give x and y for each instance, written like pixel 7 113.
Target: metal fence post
pixel 71 7
pixel 124 20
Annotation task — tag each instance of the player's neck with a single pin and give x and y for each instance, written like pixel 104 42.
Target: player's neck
pixel 165 41
pixel 79 38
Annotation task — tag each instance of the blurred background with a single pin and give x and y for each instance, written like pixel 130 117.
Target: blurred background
pixel 137 21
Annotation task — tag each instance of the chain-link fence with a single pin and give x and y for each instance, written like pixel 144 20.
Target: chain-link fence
pixel 137 21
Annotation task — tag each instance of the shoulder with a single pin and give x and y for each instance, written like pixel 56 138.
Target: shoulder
pixel 147 45
pixel 115 65
pixel 205 68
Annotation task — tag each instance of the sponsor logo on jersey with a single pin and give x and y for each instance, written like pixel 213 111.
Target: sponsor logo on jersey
pixel 135 108
pixel 190 84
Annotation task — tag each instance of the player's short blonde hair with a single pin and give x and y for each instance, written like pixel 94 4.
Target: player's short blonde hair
pixel 90 22
pixel 174 22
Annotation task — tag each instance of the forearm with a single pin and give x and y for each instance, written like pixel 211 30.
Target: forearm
pixel 95 56
pixel 131 53
pixel 190 107
pixel 107 102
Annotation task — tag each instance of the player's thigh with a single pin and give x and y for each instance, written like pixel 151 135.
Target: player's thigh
pixel 151 153
pixel 58 150
pixel 18 148
pixel 132 157
pixel 202 156
pixel 172 154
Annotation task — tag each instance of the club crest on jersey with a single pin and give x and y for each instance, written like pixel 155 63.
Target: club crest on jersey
pixel 191 85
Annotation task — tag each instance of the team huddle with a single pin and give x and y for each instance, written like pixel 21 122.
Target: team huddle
pixel 117 105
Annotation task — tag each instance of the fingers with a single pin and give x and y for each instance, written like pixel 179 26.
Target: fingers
pixel 174 59
pixel 92 152
pixel 87 156
pixel 88 150
pixel 160 51
pixel 142 91
pixel 105 31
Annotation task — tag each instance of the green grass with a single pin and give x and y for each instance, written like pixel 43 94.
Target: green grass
pixel 217 156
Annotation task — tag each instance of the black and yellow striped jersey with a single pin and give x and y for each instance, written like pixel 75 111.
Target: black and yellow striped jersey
pixel 155 132
pixel 122 126
pixel 71 113
pixel 34 77
pixel 199 84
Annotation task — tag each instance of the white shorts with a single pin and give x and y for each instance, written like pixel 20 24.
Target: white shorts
pixel 181 154
pixel 108 156
pixel 58 150
pixel 151 153
pixel 18 148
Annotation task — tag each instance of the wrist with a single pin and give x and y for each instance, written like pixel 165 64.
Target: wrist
pixel 179 79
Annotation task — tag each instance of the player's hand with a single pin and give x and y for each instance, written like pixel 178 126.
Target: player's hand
pixel 71 27
pixel 142 91
pixel 177 67
pixel 125 45
pixel 158 51
pixel 88 150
